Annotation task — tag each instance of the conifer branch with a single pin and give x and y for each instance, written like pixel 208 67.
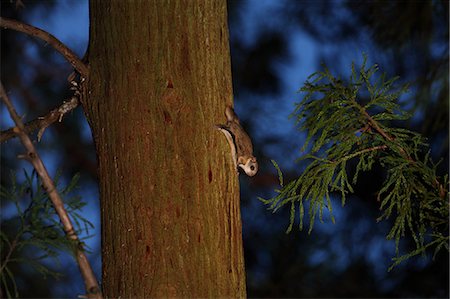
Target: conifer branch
pixel 351 122
pixel 92 287
pixel 11 247
pixel 374 124
pixel 359 153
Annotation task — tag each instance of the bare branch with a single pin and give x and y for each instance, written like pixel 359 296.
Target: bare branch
pixel 92 287
pixel 43 122
pixel 50 39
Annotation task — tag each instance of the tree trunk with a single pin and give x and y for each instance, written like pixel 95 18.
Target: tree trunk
pixel 160 78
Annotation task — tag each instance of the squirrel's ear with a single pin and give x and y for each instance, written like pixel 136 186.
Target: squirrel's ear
pixel 230 114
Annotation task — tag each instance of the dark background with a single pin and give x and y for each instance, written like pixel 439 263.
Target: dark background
pixel 275 45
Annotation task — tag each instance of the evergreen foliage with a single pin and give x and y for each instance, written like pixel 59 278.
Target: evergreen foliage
pixel 34 233
pixel 354 122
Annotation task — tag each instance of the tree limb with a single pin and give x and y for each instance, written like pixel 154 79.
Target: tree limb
pixel 43 122
pixel 50 39
pixel 92 287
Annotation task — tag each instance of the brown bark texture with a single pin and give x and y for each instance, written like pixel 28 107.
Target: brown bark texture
pixel 160 78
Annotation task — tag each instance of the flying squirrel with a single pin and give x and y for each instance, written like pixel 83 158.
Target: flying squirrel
pixel 240 143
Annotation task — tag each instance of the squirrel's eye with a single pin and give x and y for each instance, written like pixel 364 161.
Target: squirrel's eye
pixel 252 167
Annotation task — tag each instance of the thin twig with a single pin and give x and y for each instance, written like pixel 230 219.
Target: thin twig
pixel 50 39
pixel 442 191
pixel 92 287
pixel 12 246
pixel 41 123
pixel 366 150
pixel 374 124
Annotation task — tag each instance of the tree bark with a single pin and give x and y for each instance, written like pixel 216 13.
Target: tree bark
pixel 160 78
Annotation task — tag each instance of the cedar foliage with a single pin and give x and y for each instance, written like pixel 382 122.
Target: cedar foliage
pixel 355 123
pixel 34 232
